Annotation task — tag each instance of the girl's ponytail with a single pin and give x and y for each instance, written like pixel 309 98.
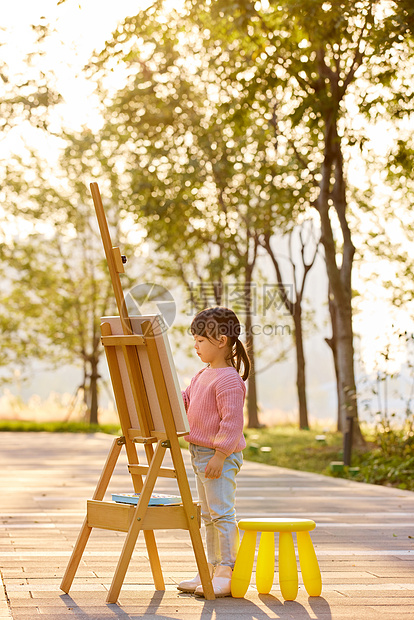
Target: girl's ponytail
pixel 240 355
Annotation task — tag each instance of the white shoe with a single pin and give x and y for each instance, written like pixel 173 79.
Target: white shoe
pixel 221 582
pixel 192 584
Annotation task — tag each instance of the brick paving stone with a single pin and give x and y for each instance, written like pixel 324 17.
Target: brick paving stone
pixel 362 539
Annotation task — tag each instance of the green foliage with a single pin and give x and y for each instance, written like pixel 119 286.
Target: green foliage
pixel 199 146
pixel 200 149
pixel 391 459
pixel 397 471
pixel 29 97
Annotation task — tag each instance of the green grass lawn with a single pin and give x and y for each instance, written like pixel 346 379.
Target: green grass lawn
pixel 286 446
pixel 388 458
pixel 58 427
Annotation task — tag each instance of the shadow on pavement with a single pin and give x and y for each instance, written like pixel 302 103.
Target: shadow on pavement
pixel 220 609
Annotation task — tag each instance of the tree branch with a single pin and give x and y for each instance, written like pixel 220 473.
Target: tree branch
pixel 289 305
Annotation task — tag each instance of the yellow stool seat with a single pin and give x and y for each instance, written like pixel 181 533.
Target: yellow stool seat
pixel 288 573
pixel 270 524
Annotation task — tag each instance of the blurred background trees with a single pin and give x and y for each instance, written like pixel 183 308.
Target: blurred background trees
pixel 228 127
pixel 58 286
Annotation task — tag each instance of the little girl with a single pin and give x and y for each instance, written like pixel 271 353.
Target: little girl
pixel 214 404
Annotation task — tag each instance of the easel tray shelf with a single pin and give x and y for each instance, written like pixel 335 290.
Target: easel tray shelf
pixel 118 517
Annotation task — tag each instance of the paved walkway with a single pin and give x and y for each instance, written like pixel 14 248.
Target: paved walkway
pixel 364 541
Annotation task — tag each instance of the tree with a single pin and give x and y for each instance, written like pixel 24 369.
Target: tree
pixel 195 123
pixel 26 100
pixel 195 168
pixel 292 298
pixel 58 283
pixel 308 53
pixel 28 97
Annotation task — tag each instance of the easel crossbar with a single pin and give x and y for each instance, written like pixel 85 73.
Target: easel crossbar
pixel 123 341
pixel 142 470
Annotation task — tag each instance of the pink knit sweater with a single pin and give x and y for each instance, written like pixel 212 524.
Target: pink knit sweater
pixel 214 404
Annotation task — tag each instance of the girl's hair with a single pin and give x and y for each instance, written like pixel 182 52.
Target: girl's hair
pixel 215 322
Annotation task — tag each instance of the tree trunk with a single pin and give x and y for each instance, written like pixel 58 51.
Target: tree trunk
pixel 332 343
pixel 300 371
pixel 342 301
pixel 339 277
pixel 93 388
pixel 349 410
pixel 295 311
pixel 252 413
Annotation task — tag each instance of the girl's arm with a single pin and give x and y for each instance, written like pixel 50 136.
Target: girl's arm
pixel 186 397
pixel 187 392
pixel 230 400
pixel 230 394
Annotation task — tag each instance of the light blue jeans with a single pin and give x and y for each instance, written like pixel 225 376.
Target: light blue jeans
pixel 217 498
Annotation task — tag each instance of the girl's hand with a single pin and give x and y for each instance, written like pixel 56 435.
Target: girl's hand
pixel 215 465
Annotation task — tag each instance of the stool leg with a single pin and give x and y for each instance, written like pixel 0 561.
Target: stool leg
pixel 288 572
pixel 309 566
pixel 265 568
pixel 243 567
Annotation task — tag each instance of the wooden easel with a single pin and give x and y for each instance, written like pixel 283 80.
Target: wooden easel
pixel 148 413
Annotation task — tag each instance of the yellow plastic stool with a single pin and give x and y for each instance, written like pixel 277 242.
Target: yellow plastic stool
pixel 288 572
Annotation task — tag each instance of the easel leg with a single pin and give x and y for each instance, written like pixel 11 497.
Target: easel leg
pixel 149 536
pixel 135 529
pixel 76 557
pixel 154 560
pixel 125 559
pixel 84 534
